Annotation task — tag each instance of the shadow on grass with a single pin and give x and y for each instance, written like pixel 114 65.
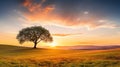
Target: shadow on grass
pixel 8 50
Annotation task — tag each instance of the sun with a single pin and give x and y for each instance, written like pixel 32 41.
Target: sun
pixel 53 44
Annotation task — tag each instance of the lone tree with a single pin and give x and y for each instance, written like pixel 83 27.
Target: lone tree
pixel 34 34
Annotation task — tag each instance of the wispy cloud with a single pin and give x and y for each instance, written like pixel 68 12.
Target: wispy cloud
pixel 66 34
pixel 40 12
pixel 36 11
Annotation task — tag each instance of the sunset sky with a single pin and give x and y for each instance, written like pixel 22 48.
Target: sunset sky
pixel 71 22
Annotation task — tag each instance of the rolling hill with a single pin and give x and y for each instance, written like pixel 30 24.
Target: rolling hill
pixel 15 56
pixel 88 47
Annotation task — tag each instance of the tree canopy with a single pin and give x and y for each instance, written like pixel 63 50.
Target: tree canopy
pixel 34 34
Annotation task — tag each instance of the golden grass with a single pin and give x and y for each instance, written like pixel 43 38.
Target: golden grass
pixel 29 57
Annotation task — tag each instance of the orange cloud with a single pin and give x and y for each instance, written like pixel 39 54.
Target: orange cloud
pixel 45 15
pixel 65 34
pixel 36 11
pixel 61 34
pixel 31 6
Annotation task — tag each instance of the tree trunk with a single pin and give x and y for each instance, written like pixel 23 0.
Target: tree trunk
pixel 35 44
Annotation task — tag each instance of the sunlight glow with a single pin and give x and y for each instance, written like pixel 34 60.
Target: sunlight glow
pixel 53 44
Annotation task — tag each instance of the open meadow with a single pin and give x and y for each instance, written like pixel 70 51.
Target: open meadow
pixel 14 56
pixel 59 33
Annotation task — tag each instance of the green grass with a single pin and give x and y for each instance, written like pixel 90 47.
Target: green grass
pixel 14 56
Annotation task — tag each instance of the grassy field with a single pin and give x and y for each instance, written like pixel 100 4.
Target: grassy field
pixel 13 56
